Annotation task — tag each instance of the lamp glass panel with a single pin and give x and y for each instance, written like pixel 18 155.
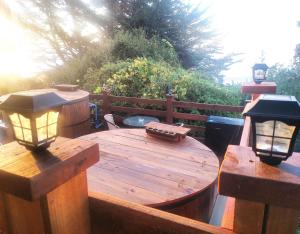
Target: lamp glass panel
pixel 25 122
pixel 259 74
pixel 281 145
pixel 265 128
pixel 41 121
pixel 42 133
pixel 14 118
pixel 284 130
pixel 263 143
pixel 52 130
pixel 27 135
pixel 18 133
pixel 52 117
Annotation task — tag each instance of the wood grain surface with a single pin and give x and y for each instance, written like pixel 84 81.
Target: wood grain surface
pixel 113 215
pixel 149 171
pixel 30 175
pixel 243 176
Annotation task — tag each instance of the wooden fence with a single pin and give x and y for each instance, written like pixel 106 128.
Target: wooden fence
pixel 168 110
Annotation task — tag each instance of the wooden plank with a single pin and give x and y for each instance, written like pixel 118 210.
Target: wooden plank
pixel 248 217
pixel 66 208
pixel 264 87
pixel 24 216
pixel 228 216
pixel 245 138
pixel 172 173
pixel 141 111
pixel 242 175
pixel 136 100
pixel 281 220
pixel 119 189
pixel 3 215
pixel 63 210
pixel 193 157
pixel 155 170
pixel 191 145
pixel 28 175
pixel 204 106
pixel 112 215
pixel 170 109
pixel 188 116
pixel 98 97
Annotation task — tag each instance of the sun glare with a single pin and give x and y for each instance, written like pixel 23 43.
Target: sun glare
pixel 15 51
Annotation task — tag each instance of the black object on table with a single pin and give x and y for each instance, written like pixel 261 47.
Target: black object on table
pixel 138 121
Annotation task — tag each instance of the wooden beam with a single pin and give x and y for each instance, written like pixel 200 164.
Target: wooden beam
pixel 136 100
pixel 245 138
pixel 188 116
pixel 141 111
pixel 212 107
pixel 248 217
pixel 113 215
pixel 228 216
pixel 281 220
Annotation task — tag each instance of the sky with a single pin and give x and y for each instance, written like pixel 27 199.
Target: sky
pixel 253 27
pixel 250 27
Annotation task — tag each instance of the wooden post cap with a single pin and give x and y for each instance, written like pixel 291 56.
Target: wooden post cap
pixel 243 176
pixel 30 175
pixel 264 87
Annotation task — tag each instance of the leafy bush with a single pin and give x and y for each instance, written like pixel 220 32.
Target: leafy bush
pixel 287 80
pixel 143 77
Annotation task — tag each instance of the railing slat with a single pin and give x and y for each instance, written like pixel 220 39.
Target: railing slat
pixel 138 100
pixel 204 106
pixel 187 116
pixel 141 111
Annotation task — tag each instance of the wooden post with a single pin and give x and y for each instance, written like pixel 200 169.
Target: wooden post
pixel 106 102
pixel 256 89
pixel 46 192
pixel 169 106
pixel 267 197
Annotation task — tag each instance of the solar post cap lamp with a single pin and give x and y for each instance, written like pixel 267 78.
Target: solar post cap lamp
pixel 275 121
pixel 33 117
pixel 259 72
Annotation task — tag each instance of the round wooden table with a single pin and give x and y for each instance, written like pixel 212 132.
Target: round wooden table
pixel 176 177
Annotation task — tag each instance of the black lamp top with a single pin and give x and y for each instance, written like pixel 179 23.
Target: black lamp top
pixel 260 66
pixel 274 106
pixel 31 102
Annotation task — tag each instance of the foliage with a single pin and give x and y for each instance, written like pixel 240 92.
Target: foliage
pixel 70 28
pixel 124 45
pixel 11 84
pixel 287 79
pixel 134 43
pixel 184 25
pixel 144 77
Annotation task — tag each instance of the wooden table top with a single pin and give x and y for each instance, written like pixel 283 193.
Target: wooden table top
pixel 149 171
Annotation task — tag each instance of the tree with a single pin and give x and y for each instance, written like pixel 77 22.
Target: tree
pixel 62 23
pixel 183 25
pixel 286 78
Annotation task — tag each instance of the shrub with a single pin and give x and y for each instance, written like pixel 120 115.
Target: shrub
pixel 144 77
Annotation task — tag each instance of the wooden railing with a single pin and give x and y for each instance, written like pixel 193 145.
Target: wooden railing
pixel 112 215
pixel 169 110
